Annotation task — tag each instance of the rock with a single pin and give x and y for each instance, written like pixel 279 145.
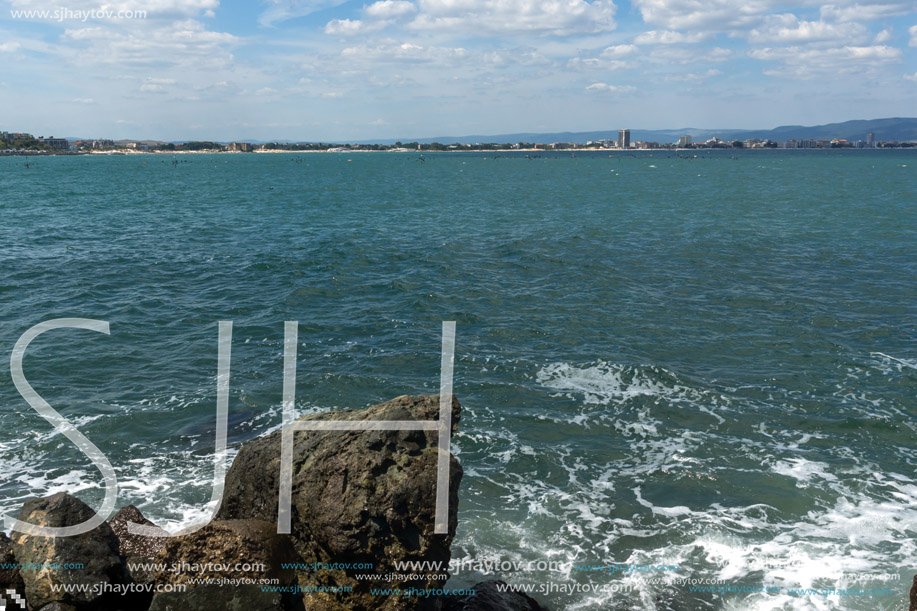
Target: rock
pixel 136 549
pixel 135 545
pixel 96 551
pixel 358 497
pixel 487 597
pixel 223 598
pixel 913 605
pixel 230 549
pixel 10 579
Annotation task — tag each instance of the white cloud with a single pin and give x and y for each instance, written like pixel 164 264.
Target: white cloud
pixel 789 29
pixel 619 51
pixel 913 32
pixel 348 27
pixel 611 88
pixel 595 63
pixel 694 77
pixel 186 43
pixel 809 62
pixel 390 9
pixel 911 77
pixel 863 13
pixel 702 15
pixel 522 57
pixel 883 36
pixel 668 37
pixel 156 85
pixel 9 46
pixel 557 17
pixel 391 51
pixel 83 101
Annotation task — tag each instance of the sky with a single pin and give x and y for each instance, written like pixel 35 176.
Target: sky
pixel 351 70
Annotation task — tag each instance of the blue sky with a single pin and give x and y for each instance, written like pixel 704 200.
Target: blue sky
pixel 360 70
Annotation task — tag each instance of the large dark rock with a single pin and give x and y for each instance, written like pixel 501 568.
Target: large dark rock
pixel 488 597
pixel 222 549
pixel 10 579
pixel 358 496
pixel 913 605
pixel 96 550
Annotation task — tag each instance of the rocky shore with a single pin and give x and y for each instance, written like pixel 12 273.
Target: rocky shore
pixel 362 501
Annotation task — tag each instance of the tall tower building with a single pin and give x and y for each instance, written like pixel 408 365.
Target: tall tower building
pixel 623 138
pixel 870 140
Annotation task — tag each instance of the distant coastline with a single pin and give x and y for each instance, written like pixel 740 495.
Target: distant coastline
pixel 611 152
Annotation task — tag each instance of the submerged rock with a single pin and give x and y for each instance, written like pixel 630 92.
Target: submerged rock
pixel 96 551
pixel 358 497
pixel 913 605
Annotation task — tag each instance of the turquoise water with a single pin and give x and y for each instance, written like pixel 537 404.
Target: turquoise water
pixel 706 362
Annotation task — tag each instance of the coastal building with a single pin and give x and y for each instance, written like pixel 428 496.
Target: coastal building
pixel 624 139
pixel 101 144
pixel 684 142
pixel 58 144
pixel 242 147
pixel 871 140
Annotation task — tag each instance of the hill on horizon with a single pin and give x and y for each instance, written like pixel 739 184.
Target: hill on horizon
pixel 895 128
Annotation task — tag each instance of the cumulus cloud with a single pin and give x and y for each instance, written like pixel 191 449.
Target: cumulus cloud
pixel 348 27
pixel 390 9
pixel 511 16
pixel 619 51
pixel 9 46
pixel 185 42
pixel 708 15
pixel 862 13
pixel 669 37
pixel 522 57
pixel 694 77
pixel 790 29
pixel 807 62
pixel 390 51
pixel 913 32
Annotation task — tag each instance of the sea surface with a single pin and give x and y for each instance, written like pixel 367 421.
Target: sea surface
pixel 708 362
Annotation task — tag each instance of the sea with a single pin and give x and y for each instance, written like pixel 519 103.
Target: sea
pixel 689 378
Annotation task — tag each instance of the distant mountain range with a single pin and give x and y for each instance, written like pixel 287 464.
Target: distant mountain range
pixel 899 129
